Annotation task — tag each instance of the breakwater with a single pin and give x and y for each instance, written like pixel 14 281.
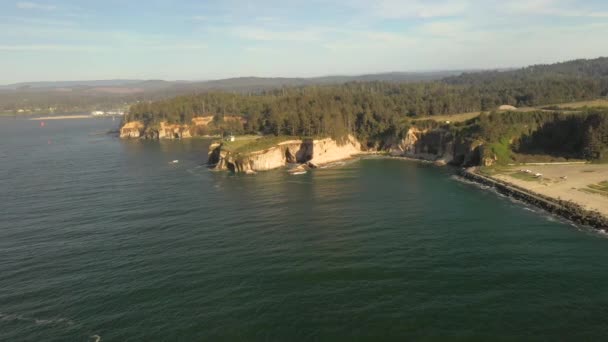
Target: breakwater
pixel 566 209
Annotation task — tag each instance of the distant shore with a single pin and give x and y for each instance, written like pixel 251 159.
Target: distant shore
pixel 62 117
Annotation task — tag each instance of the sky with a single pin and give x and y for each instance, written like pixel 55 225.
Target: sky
pixel 51 40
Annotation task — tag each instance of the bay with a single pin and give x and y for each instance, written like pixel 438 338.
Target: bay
pixel 105 237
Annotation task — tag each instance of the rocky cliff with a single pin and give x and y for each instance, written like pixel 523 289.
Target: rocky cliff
pixel 164 130
pixel 133 129
pixel 310 152
pixel 438 145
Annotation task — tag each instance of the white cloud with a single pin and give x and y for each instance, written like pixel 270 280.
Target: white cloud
pixel 36 22
pixel 35 6
pixel 396 9
pixel 559 8
pixel 261 34
pixel 47 47
pixel 529 6
pixel 444 28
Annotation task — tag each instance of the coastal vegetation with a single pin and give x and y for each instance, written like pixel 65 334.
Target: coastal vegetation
pixel 247 144
pixel 514 136
pixel 599 188
pixel 381 113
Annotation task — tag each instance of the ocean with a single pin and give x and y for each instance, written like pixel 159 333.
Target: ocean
pixel 103 239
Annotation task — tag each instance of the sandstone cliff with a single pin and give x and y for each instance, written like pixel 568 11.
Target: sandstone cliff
pixel 133 129
pixel 438 145
pixel 309 152
pixel 164 130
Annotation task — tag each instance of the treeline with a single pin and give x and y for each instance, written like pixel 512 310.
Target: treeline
pixel 372 110
pixel 581 136
pixel 540 84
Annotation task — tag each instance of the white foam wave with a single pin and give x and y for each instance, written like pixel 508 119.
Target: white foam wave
pixel 96 338
pixel 476 184
pixel 550 217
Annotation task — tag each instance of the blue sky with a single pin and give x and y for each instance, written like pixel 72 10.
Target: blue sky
pixel 194 40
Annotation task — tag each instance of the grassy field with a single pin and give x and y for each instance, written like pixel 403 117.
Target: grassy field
pixel 248 144
pixel 563 106
pixel 452 118
pixel 600 187
pixel 582 104
pixel 528 177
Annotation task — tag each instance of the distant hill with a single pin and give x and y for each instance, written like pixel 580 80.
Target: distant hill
pixel 516 84
pixel 596 69
pixel 67 84
pixel 79 96
pixel 231 84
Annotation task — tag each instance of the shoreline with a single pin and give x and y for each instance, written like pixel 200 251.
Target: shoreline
pixel 571 210
pixel 566 209
pixel 61 117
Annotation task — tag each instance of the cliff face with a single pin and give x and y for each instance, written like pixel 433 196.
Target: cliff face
pixel 133 129
pixel 438 145
pixel 137 129
pixel 310 152
pixel 168 131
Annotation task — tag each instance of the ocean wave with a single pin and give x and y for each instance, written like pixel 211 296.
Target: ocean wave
pixel 476 184
pixel 547 215
pixel 37 321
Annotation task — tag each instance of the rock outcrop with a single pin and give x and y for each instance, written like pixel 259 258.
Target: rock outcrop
pixel 310 152
pixel 165 130
pixel 174 131
pixel 507 107
pixel 438 145
pixel 133 129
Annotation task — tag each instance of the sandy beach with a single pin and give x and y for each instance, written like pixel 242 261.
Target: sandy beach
pixel 566 182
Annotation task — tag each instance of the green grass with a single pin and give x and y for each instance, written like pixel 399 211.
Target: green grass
pixel 502 150
pixel 600 103
pixel 450 117
pixel 568 107
pixel 494 170
pixel 598 189
pixel 596 192
pixel 249 145
pixel 602 186
pixel 525 176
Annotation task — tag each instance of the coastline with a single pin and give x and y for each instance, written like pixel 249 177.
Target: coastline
pixel 62 117
pixel 566 209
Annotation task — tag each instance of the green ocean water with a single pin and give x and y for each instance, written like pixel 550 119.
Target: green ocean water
pixel 103 238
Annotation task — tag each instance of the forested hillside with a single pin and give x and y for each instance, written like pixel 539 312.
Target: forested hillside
pixel 580 136
pixel 79 96
pixel 373 109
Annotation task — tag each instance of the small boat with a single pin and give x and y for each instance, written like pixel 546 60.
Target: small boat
pixel 298 173
pixel 175 161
